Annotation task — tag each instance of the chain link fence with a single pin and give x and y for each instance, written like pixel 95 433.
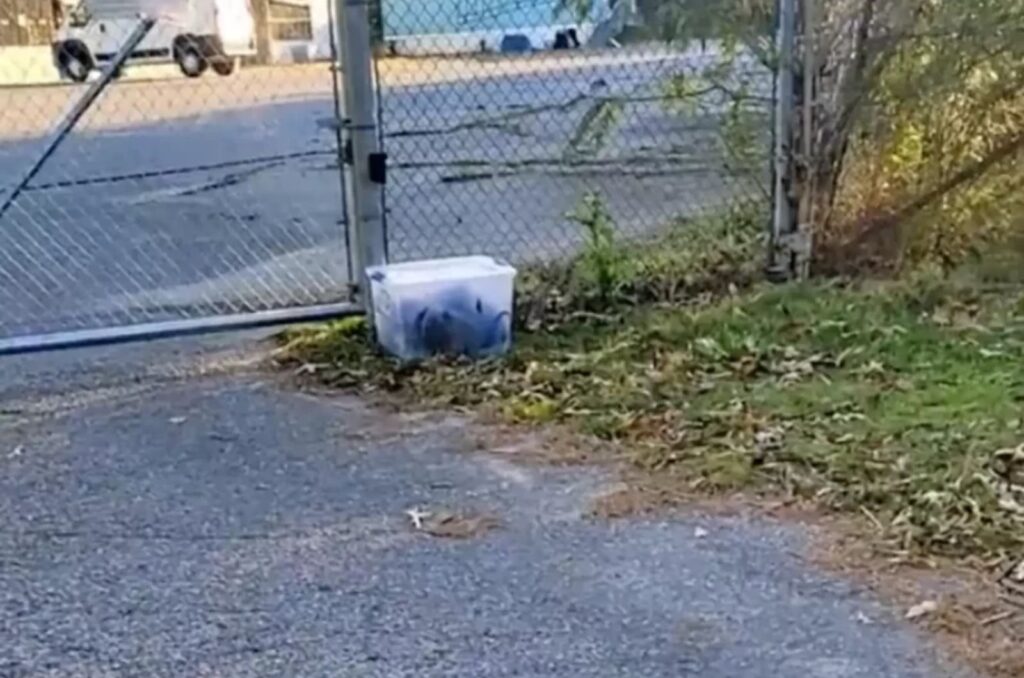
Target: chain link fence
pixel 499 117
pixel 204 180
pixel 196 186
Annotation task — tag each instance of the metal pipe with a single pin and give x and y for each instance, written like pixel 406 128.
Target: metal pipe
pixel 80 108
pixel 173 328
pixel 339 141
pixel 783 217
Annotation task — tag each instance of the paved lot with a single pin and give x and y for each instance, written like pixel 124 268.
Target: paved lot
pixel 184 198
pixel 158 523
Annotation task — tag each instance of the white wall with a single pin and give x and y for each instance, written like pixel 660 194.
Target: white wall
pixel 541 37
pixel 409 43
pixel 299 51
pixel 27 65
pixel 319 14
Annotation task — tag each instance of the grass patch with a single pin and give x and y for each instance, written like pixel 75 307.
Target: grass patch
pixel 901 402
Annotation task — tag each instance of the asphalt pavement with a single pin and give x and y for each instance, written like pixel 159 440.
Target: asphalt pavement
pixel 238 207
pixel 169 509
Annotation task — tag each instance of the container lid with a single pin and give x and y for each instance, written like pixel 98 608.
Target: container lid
pixel 433 270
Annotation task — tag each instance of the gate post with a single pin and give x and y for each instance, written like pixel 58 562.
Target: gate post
pixel 365 165
pixel 788 249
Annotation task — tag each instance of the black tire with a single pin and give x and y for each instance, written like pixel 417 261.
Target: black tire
pixel 74 61
pixel 224 66
pixel 189 58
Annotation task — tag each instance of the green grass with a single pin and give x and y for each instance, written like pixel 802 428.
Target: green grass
pixel 884 400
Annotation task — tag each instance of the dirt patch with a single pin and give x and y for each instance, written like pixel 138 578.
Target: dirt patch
pixel 972 611
pixel 550 446
pixel 976 612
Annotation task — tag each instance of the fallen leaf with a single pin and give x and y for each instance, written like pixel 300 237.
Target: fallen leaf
pixel 922 609
pixel 417 516
pixel 1017 573
pixel 448 525
pixel 307 369
pixel 871 368
pixel 1001 616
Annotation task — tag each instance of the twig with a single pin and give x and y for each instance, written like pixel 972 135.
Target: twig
pixel 1008 571
pixel 1013 587
pixel 871 516
pixel 590 315
pixel 966 175
pixel 988 621
pixel 1012 600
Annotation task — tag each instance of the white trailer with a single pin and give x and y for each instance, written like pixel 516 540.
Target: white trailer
pixel 195 34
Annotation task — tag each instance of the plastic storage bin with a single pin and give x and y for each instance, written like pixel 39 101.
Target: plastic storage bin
pixel 459 306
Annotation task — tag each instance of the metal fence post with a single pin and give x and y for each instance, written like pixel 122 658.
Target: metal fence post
pixel 785 246
pixel 361 152
pixel 808 186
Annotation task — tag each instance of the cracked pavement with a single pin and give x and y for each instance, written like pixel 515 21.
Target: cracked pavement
pixel 167 509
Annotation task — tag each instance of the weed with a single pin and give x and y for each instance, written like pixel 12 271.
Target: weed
pixel 602 263
pixel 691 258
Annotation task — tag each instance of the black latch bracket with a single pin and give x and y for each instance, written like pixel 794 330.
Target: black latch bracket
pixel 378 168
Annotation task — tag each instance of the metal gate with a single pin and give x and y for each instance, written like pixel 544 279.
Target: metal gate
pixel 150 203
pixel 500 117
pixel 172 204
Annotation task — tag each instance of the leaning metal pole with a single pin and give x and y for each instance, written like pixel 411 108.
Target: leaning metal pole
pixel 80 108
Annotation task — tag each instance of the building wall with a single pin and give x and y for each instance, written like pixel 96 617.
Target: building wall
pixel 414 27
pixel 427 17
pixel 25 22
pixel 447 26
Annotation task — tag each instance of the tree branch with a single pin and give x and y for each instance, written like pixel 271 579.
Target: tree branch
pixel 972 172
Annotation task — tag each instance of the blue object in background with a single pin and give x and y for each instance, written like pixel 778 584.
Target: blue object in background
pixel 515 43
pixel 440 17
pixel 456 323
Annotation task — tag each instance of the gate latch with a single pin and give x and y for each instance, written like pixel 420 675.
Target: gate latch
pixel 378 167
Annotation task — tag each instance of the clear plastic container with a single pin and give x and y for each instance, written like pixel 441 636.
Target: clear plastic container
pixel 458 306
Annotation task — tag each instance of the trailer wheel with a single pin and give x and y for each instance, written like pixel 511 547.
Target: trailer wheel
pixel 224 66
pixel 189 57
pixel 74 61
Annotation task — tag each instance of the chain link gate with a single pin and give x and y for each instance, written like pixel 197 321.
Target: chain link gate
pixel 500 117
pixel 193 195
pixel 199 191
